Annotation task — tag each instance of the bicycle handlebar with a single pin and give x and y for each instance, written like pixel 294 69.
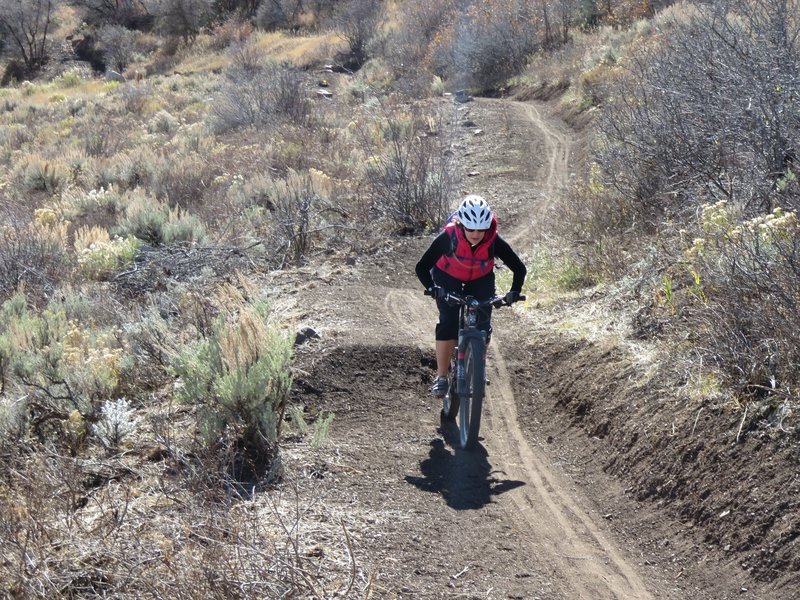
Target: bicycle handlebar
pixel 496 301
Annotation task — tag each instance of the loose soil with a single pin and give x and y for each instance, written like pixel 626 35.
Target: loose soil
pixel 597 477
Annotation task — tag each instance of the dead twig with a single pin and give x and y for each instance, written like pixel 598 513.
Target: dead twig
pixel 290 536
pixel 744 416
pixel 460 573
pixel 352 560
pixel 696 419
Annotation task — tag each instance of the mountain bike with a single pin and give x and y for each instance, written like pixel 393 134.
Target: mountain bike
pixel 467 375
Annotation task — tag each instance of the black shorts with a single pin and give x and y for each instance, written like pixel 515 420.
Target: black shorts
pixel 482 289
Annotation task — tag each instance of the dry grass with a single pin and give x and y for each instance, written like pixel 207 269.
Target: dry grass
pixel 301 51
pixel 126 527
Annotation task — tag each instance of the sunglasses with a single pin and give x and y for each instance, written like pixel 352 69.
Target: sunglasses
pixel 468 230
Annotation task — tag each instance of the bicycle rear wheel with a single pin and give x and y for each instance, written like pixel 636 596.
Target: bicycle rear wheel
pixel 450 402
pixel 469 422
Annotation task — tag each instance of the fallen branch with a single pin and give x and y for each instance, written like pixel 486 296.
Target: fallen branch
pixel 349 542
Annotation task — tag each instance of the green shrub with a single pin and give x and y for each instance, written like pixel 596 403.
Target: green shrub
pixel 135 98
pixel 238 375
pixel 68 79
pixel 63 366
pixel 152 221
pixel 322 427
pixel 144 219
pixel 163 122
pixel 132 169
pixel 15 136
pixel 550 271
pixel 39 175
pixel 183 227
pixel 78 203
pixel 180 179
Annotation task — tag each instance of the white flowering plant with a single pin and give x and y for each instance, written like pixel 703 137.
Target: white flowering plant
pixel 117 420
pixel 99 256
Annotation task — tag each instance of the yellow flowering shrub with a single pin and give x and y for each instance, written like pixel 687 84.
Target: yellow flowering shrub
pixel 68 366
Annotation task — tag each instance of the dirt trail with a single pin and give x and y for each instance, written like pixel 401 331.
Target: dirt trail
pixel 512 519
pixel 560 532
pixel 556 166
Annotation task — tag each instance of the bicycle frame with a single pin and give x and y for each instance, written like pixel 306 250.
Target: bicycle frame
pixel 468 368
pixel 468 318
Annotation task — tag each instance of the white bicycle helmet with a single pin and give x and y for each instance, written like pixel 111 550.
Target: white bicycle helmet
pixel 474 212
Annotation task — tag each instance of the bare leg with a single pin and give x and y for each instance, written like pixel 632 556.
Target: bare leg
pixel 444 349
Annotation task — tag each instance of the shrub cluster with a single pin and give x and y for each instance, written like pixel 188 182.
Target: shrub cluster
pixel 32 254
pixel 409 171
pixel 154 222
pixel 474 45
pixel 259 93
pixel 99 256
pixel 491 42
pixel 698 148
pixel 740 286
pixel 56 364
pixel 238 375
pixel 703 114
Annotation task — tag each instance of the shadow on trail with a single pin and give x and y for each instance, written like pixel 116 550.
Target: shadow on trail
pixel 464 479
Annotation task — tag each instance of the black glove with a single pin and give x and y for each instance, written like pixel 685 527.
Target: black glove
pixel 437 292
pixel 511 297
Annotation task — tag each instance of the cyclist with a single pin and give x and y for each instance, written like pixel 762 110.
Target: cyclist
pixel 461 260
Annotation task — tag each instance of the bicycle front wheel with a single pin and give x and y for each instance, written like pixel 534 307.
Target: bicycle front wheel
pixel 469 422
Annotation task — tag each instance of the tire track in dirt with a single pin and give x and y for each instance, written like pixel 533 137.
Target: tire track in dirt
pixel 569 541
pixel 412 313
pixel 561 537
pixel 561 534
pixel 557 145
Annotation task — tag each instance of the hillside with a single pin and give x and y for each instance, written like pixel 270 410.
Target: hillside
pixel 172 427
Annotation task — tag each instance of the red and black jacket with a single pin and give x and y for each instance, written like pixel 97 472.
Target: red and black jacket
pixel 451 253
pixel 465 262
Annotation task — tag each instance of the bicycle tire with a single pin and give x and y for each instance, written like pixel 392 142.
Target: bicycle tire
pixel 469 421
pixel 450 403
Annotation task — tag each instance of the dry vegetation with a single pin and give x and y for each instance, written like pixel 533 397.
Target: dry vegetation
pixel 223 162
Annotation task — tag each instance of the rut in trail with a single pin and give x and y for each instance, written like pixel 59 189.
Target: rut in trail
pixel 564 534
